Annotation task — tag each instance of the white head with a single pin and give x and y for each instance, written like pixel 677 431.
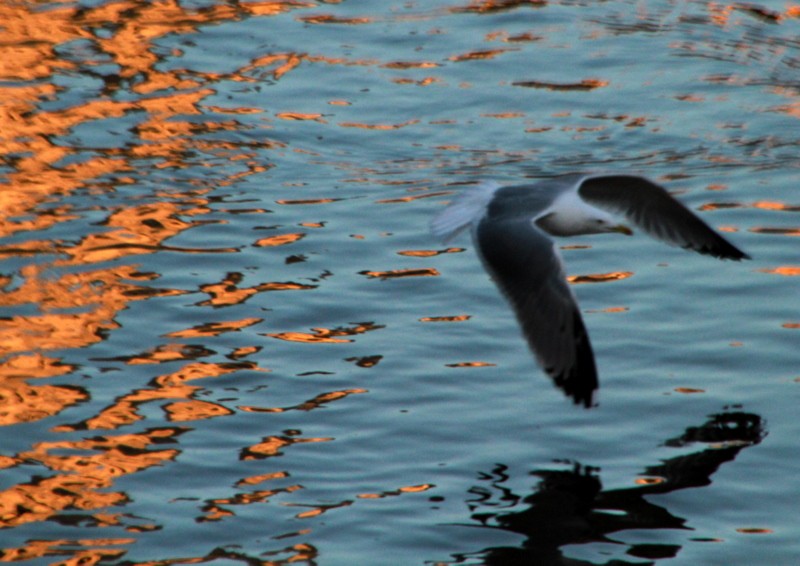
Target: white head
pixel 575 217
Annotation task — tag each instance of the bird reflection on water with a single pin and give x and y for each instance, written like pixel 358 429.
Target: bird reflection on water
pixel 569 507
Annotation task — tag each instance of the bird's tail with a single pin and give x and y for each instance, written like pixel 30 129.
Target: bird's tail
pixel 465 209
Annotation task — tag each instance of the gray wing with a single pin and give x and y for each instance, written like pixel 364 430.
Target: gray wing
pixel 526 266
pixel 654 210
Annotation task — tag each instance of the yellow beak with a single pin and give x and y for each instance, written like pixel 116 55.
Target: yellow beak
pixel 622 229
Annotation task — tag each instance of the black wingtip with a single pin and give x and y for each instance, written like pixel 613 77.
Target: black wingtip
pixel 580 382
pixel 720 249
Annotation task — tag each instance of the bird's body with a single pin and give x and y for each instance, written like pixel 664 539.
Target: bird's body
pixel 512 229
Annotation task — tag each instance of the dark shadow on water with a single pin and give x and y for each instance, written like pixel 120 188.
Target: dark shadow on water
pixel 570 507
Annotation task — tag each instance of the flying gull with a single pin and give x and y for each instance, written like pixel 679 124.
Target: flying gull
pixel 512 228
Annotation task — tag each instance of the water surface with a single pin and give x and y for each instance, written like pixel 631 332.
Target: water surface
pixel 227 334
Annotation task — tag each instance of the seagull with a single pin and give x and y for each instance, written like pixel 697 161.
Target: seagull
pixel 512 229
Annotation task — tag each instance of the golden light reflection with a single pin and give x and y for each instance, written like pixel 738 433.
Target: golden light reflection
pixel 307 201
pixel 421 82
pixel 688 390
pixel 227 292
pixel 272 446
pixel 394 493
pixel 471 365
pixel 71 293
pixel 44 548
pixel 754 531
pixel 773 205
pixel 599 277
pixel 400 273
pixel 488 6
pixel 310 405
pixel 413 198
pixel 331 19
pixel 166 387
pixel 365 126
pixel 83 479
pixel 279 240
pixel 214 328
pixel 583 85
pixel 779 231
pixel 327 335
pixel 318 509
pixel 255 480
pixel 609 310
pixel 194 410
pixel 429 253
pixel 786 270
pixel 365 361
pixel 215 509
pixel 481 54
pixel 410 65
pixel 21 402
pixel 457 318
pixel 301 116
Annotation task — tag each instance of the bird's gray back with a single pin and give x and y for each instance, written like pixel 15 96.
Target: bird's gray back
pixel 530 199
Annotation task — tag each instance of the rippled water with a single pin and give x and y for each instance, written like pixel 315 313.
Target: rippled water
pixel 227 334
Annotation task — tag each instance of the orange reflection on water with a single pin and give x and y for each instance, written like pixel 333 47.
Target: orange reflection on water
pixel 773 205
pixel 214 328
pixel 583 85
pixel 125 409
pixel 280 240
pixel 488 6
pixel 429 253
pixel 365 126
pixel 399 273
pixel 272 446
pixel 779 231
pixel 457 318
pixel 77 308
pixel 787 270
pixel 253 480
pixel 311 404
pixel 413 198
pixel 689 390
pixel 301 116
pixel 366 361
pixel 331 19
pixel 609 310
pixel 194 410
pixel 227 292
pixel 214 509
pixel 327 335
pixel 481 54
pixel 22 402
pixel 43 548
pixel 394 493
pixel 319 509
pixel 86 476
pixel 599 277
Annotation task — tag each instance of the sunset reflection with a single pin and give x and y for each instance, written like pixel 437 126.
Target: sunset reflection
pixel 82 481
pixel 217 283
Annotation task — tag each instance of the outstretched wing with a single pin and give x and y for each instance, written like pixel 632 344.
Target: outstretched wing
pixel 650 207
pixel 527 268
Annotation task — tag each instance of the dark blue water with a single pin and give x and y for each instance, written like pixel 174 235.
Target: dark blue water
pixel 228 335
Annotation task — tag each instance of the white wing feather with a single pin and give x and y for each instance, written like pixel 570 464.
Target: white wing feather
pixel 467 208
